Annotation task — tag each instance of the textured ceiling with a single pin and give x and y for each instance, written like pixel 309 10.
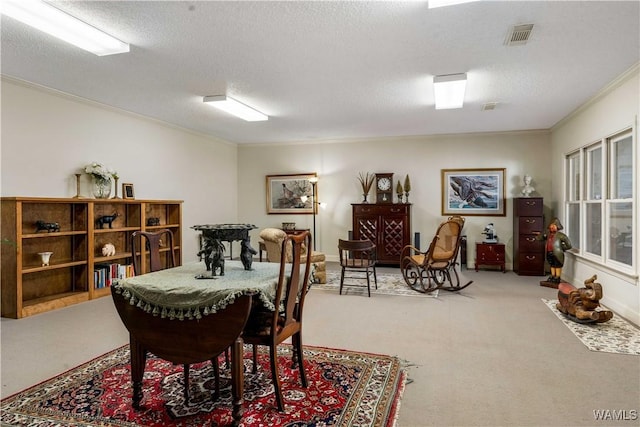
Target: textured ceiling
pixel 336 70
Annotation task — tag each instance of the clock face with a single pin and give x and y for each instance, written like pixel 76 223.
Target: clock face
pixel 384 184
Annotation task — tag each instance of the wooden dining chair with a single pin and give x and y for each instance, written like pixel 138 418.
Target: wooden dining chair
pixel 272 328
pixel 358 258
pixel 154 246
pixel 156 242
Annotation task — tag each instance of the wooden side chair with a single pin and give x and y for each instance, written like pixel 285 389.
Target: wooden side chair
pixel 272 328
pixel 155 243
pixel 357 256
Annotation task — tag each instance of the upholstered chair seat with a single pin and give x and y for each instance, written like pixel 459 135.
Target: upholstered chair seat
pixel 273 238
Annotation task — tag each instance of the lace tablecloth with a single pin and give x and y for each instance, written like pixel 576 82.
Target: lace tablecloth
pixel 175 293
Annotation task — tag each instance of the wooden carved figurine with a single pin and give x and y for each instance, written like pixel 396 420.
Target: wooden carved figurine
pixel 581 305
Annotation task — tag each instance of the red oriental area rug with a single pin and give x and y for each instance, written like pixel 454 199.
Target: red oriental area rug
pixel 346 388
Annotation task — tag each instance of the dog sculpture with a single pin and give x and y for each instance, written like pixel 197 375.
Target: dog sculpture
pixel 247 253
pixel 47 226
pixel 106 219
pixel 581 305
pixel 216 257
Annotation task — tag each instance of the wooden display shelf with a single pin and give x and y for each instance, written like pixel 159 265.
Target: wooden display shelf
pixel 116 257
pixel 52 302
pixel 115 230
pixel 26 270
pixel 160 227
pixel 29 288
pixel 54 234
pixel 102 292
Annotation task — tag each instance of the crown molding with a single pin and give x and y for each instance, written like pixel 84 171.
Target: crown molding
pixel 621 79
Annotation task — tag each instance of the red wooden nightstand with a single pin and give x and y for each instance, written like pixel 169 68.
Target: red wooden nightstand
pixel 490 254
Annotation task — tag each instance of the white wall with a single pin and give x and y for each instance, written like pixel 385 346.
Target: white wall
pixel 615 109
pixel 338 165
pixel 47 137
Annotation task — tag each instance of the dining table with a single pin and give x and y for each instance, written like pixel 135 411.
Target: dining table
pixel 185 315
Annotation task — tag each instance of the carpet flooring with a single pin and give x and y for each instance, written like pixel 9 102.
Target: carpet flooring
pixel 615 336
pixel 346 388
pixel 388 284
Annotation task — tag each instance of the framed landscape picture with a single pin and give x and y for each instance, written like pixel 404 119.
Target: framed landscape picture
pixel 290 194
pixel 473 192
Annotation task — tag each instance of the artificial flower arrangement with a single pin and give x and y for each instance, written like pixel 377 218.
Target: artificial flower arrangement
pixel 102 177
pixel 100 171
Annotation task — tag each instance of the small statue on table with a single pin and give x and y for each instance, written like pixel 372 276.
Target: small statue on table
pixel 216 257
pixel 247 253
pixel 212 252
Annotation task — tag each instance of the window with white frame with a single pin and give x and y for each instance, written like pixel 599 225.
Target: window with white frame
pixel 593 201
pixel 620 202
pixel 600 206
pixel 573 199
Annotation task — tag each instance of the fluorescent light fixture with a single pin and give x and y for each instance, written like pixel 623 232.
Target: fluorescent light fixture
pixel 51 20
pixel 230 105
pixel 440 3
pixel 449 90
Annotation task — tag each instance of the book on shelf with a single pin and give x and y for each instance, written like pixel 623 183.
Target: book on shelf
pixel 105 274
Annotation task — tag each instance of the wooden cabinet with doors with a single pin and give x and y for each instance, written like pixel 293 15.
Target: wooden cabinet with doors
pixel 528 248
pixel 71 229
pixel 385 224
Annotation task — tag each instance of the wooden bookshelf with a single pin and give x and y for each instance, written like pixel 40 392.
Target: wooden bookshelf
pixel 29 288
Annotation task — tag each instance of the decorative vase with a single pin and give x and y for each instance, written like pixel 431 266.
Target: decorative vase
pixel 44 257
pixel 364 198
pixel 101 187
pixel 400 198
pixel 406 197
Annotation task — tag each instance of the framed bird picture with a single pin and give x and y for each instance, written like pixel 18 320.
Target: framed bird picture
pixel 292 194
pixel 473 192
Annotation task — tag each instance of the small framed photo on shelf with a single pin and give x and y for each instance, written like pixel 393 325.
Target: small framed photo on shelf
pixel 127 191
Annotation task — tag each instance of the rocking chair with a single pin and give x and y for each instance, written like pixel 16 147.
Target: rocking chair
pixel 427 271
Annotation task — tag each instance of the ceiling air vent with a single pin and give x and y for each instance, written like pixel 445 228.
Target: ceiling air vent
pixel 489 106
pixel 519 35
